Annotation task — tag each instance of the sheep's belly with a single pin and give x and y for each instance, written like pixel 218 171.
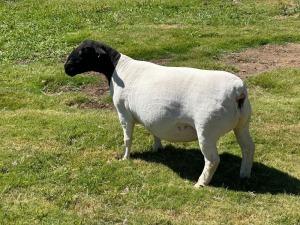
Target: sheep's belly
pixel 180 132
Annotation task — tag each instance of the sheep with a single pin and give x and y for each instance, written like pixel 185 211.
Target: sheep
pixel 176 104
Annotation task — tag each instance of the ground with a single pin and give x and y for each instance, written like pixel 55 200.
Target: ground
pixel 267 57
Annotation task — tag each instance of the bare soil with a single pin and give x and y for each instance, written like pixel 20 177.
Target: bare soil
pixel 264 58
pixel 249 62
pixel 99 92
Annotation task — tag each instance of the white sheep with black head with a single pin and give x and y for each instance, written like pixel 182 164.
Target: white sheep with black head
pixel 176 104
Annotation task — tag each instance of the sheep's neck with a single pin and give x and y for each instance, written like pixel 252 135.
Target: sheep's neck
pixel 109 63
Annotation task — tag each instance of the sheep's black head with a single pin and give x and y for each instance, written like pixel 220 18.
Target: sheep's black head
pixel 92 56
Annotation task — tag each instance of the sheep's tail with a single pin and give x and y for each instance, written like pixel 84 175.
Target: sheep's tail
pixel 240 100
pixel 240 93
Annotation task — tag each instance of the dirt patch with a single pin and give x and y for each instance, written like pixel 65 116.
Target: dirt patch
pixel 96 95
pixel 100 93
pixel 264 58
pixel 161 61
pixel 100 97
pixel 95 90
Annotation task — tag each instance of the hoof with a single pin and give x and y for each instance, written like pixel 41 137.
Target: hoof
pixel 197 185
pixel 245 183
pixel 125 158
pixel 156 149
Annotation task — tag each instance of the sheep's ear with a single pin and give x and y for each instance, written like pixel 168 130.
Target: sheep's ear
pixel 91 50
pixel 100 51
pixel 86 50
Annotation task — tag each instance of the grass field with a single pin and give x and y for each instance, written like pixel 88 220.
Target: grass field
pixel 59 162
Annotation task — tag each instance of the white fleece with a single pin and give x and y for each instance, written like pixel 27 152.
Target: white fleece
pixel 181 104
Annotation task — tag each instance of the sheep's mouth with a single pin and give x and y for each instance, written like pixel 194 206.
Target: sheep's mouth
pixel 70 71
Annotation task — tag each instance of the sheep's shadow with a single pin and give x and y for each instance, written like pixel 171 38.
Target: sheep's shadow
pixel 189 164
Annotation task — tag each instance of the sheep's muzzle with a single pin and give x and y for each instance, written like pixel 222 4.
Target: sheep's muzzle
pixel 70 70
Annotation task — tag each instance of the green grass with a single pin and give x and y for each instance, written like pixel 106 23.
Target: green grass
pixel 59 164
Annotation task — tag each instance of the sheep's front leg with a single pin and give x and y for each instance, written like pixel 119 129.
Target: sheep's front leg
pixel 157 144
pixel 128 133
pixel 127 124
pixel 212 161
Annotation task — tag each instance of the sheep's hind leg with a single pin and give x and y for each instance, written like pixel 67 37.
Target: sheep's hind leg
pixel 212 160
pixel 157 144
pixel 248 148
